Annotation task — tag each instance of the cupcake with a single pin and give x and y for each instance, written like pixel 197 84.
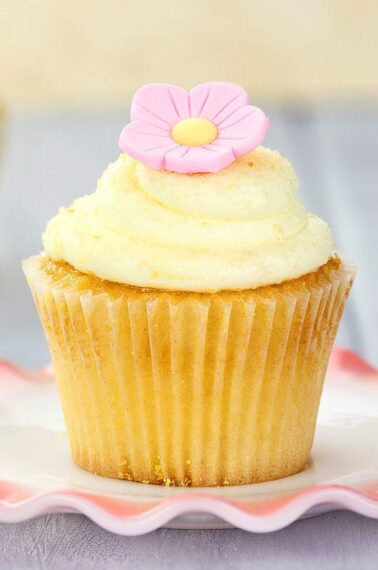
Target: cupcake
pixel 190 304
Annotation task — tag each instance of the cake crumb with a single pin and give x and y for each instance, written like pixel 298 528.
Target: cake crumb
pixel 158 472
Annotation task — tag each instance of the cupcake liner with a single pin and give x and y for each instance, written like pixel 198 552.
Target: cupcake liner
pixel 187 388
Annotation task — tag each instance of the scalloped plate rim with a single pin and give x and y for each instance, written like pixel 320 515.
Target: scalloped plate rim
pixel 337 496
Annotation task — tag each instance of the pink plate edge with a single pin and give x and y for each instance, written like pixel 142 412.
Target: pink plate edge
pixel 121 517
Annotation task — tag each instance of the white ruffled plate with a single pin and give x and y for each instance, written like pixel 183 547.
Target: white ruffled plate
pixel 37 475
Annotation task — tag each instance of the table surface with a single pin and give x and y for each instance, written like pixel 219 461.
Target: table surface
pixel 51 157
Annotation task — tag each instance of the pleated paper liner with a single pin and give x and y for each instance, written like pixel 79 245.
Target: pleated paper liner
pixel 189 388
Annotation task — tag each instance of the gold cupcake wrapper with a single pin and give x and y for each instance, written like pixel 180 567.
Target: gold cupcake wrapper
pixel 190 389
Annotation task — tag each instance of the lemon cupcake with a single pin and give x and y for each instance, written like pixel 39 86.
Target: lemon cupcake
pixel 190 304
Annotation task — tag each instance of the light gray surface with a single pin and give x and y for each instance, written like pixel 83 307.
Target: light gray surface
pixel 50 158
pixel 336 541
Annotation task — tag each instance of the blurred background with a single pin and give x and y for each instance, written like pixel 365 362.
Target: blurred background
pixel 68 71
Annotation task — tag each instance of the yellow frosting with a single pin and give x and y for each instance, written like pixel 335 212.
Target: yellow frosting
pixel 241 227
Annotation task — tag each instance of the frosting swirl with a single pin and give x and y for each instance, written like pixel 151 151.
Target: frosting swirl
pixel 242 227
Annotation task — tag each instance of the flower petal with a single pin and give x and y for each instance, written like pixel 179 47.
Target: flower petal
pixel 149 148
pixel 244 130
pixel 200 159
pixel 216 100
pixel 174 154
pixel 160 104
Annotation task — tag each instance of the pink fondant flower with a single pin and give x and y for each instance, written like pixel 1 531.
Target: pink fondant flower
pixel 200 131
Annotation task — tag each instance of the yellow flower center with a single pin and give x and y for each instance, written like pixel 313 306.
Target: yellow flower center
pixel 194 132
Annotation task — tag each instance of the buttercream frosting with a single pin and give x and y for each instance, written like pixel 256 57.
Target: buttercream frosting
pixel 242 227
